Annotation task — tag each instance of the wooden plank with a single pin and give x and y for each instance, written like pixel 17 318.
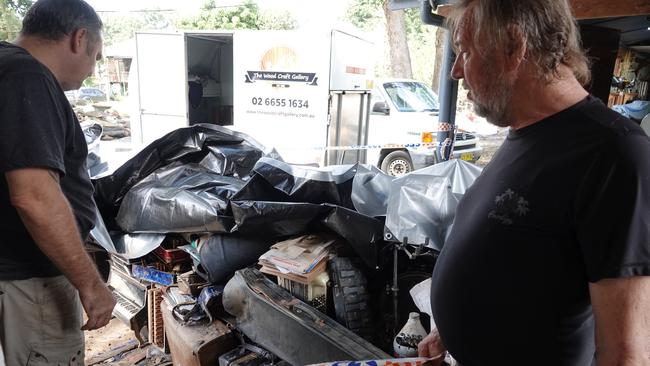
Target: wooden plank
pixel 112 352
pixel 593 9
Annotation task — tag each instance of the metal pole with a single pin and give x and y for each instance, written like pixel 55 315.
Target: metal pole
pixel 366 127
pixel 448 92
pixel 395 287
pixel 337 137
pixel 360 125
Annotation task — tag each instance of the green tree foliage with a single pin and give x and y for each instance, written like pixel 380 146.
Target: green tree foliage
pixel 245 16
pixel 118 28
pixel 365 14
pixel 368 15
pixel 20 6
pixel 11 14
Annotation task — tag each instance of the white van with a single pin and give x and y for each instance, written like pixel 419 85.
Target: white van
pixel 307 95
pixel 404 121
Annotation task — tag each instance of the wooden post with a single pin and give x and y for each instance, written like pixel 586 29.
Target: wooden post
pixel 593 9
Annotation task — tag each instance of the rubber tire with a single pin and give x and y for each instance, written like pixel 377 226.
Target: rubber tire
pixel 350 296
pixel 394 156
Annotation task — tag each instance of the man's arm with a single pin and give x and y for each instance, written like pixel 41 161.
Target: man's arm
pixel 46 213
pixel 622 312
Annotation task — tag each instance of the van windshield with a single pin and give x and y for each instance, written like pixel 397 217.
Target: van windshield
pixel 411 96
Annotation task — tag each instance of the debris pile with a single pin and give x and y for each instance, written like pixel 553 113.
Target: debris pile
pixel 203 215
pixel 115 125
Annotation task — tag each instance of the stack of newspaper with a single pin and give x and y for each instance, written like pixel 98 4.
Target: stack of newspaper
pixel 300 259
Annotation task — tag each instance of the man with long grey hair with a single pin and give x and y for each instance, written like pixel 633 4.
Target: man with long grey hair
pixel 46 198
pixel 549 257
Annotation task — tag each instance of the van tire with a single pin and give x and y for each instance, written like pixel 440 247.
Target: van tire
pixel 351 297
pixel 397 163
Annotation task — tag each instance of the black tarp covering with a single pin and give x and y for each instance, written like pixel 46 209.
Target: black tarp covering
pixel 179 198
pixel 274 180
pixel 208 179
pixel 217 148
pixel 282 200
pixel 222 255
pixel 291 218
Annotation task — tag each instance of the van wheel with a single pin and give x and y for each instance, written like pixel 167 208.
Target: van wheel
pixel 397 163
pixel 351 298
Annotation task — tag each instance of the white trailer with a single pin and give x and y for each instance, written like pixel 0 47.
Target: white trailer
pixel 294 91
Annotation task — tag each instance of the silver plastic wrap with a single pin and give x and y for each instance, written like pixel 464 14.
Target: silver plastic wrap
pixel 422 205
pixel 461 173
pixel 370 191
pixel 179 198
pixel 129 246
pixel 421 209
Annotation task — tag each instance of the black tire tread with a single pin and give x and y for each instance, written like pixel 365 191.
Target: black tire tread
pixel 351 298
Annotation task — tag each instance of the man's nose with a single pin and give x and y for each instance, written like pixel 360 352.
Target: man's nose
pixel 457 69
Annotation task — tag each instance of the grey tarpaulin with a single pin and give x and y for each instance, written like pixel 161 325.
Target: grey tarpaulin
pixel 461 173
pixel 421 207
pixel 422 204
pixel 180 198
pixel 217 148
pixel 92 134
pixel 370 191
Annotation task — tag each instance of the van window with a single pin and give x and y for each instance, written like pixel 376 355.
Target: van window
pixel 410 96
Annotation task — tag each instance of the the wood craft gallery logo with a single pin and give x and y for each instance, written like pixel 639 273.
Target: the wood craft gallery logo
pixel 275 66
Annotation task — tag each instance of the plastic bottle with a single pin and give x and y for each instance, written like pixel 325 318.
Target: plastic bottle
pixel 405 343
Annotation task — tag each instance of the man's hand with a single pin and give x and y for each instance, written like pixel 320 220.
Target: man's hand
pixel 431 346
pixel 98 302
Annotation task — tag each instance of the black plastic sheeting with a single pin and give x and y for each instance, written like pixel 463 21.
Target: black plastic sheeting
pixel 208 179
pixel 186 198
pixel 222 255
pixel 274 180
pixel 219 149
pixel 281 200
pixel 286 219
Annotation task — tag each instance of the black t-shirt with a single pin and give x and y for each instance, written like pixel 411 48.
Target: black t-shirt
pixel 37 129
pixel 564 202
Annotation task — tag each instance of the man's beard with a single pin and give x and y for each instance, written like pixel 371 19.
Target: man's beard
pixel 493 104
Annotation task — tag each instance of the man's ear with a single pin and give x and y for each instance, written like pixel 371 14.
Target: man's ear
pixel 515 47
pixel 78 40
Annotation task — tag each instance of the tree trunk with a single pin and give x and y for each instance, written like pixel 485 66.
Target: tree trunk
pixel 440 45
pixel 400 58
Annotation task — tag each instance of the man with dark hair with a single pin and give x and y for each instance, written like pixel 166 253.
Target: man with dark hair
pixel 548 261
pixel 46 198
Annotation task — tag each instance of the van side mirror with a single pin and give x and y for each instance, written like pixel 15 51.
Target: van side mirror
pixel 381 108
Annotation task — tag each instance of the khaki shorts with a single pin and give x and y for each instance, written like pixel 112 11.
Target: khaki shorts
pixel 40 322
